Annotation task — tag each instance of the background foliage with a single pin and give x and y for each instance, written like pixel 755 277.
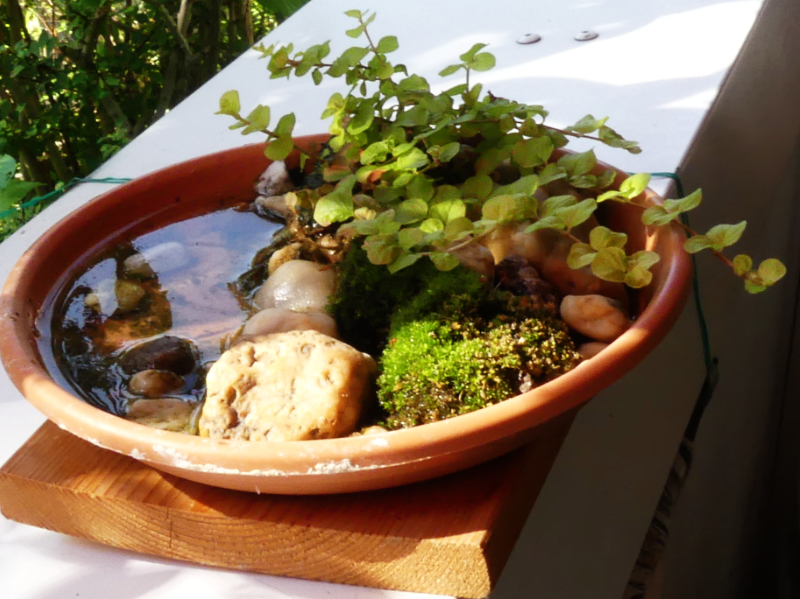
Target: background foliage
pixel 81 78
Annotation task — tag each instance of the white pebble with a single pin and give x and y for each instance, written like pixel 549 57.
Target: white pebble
pixel 595 316
pixel 275 180
pixel 298 285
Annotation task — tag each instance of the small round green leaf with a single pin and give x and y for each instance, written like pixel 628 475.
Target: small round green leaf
pixel 229 103
pixel 482 62
pixel 580 255
pixel 403 261
pixel 456 228
pixel 610 265
pixel 742 264
pixel 638 277
pixel 411 211
pixel 408 238
pixel 432 225
pixel 479 186
pixel 279 149
pixel 387 44
pixel 444 261
pixel 453 68
pixel 602 237
pixel 771 271
pixel 697 243
pixel 634 185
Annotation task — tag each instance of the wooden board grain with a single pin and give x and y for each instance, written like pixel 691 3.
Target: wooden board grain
pixel 449 536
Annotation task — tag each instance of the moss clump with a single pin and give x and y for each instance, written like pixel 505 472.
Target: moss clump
pixel 367 296
pixel 468 352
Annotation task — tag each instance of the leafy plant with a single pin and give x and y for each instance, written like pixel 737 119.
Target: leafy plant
pixel 80 79
pixel 13 191
pixel 394 177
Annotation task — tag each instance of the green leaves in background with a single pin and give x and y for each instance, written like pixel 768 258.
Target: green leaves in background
pixel 12 190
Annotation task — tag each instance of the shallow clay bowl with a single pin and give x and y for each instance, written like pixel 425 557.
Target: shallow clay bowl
pixel 300 467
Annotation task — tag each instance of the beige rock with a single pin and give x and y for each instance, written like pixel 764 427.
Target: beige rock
pixel 298 285
pixel 278 320
pixel 286 387
pixel 595 316
pixel 591 349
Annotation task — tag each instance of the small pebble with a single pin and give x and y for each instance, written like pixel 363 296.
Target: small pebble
pixel 299 285
pixel 591 349
pixel 273 205
pixel 128 295
pixel 275 180
pixel 529 38
pixel 595 316
pixel 155 383
pixel 162 353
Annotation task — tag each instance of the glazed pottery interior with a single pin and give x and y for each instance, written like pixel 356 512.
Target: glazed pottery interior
pixel 300 467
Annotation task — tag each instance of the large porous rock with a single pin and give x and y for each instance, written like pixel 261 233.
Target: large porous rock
pixel 299 285
pixel 162 353
pixel 290 386
pixel 278 320
pixel 595 316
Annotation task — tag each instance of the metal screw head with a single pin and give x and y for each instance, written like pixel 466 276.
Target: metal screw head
pixel 585 36
pixel 529 38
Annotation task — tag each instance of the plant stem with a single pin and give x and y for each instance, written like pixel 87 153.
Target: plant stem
pixel 691 232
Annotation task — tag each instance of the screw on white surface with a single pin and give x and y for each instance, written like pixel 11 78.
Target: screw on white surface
pixel 585 36
pixel 529 38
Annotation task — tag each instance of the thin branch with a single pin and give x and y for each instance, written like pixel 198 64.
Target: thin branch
pixel 172 26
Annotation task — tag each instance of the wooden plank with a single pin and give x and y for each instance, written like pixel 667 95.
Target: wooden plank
pixel 449 536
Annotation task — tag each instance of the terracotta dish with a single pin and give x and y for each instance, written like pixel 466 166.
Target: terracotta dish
pixel 300 467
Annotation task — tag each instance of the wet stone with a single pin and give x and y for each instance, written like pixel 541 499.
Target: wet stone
pixel 155 383
pixel 164 353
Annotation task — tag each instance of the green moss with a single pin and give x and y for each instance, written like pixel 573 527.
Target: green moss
pixel 367 295
pixel 470 352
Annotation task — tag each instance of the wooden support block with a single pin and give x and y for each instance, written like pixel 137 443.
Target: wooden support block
pixel 449 536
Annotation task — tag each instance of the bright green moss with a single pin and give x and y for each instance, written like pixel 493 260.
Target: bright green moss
pixel 455 344
pixel 469 352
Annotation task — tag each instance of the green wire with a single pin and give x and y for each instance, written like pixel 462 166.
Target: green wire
pixel 712 363
pixel 58 192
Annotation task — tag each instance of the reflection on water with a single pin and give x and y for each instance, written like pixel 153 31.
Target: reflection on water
pixel 173 282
